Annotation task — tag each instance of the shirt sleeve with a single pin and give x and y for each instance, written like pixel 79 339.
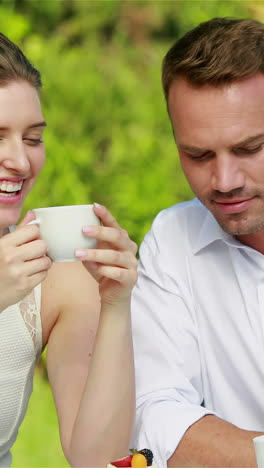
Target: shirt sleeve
pixel 166 345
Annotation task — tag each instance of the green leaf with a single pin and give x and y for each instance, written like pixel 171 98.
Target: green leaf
pixel 133 451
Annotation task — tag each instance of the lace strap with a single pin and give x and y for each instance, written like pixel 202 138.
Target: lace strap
pixel 30 311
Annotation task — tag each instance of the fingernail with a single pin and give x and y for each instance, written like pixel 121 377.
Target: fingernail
pixel 87 229
pixel 97 205
pixel 80 253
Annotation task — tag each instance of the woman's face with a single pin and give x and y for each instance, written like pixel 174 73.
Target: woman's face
pixel 22 152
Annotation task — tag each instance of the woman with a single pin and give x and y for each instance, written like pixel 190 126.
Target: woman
pixel 81 310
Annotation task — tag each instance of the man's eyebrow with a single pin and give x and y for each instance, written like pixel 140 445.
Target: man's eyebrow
pixel 247 141
pixel 192 149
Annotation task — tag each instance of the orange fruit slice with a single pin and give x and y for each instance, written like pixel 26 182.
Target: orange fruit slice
pixel 139 461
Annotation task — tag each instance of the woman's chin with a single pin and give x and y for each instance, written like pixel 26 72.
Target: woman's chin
pixel 9 218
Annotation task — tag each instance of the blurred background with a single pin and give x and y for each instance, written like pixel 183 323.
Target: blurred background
pixel 108 138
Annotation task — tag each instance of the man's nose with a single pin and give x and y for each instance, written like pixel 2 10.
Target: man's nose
pixel 227 173
pixel 14 157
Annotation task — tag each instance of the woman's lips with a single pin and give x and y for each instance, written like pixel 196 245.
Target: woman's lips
pixel 231 207
pixel 4 200
pixel 9 198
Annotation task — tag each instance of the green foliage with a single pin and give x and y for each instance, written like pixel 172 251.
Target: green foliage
pixel 38 443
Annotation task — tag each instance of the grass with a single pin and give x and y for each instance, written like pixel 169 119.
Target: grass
pixel 38 443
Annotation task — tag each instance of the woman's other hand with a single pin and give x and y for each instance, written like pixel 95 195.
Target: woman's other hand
pixel 23 262
pixel 113 262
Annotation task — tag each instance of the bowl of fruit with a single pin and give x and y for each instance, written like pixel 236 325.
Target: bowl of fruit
pixel 137 459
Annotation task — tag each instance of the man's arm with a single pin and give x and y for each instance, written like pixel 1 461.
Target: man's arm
pixel 167 355
pixel 211 441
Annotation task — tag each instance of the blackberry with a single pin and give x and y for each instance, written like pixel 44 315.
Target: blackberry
pixel 148 454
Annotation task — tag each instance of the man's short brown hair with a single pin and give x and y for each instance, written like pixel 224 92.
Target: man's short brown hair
pixel 216 52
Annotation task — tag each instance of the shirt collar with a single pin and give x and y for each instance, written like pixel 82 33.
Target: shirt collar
pixel 211 231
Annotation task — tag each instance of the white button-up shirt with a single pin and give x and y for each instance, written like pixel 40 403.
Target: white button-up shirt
pixel 198 326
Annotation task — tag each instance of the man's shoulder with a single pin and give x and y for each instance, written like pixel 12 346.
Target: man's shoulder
pixel 171 241
pixel 183 210
pixel 180 221
pixel 175 231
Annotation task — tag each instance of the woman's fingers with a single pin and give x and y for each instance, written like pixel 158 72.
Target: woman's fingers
pixel 115 236
pixel 126 277
pixel 108 257
pixel 37 266
pixel 34 249
pixel 110 232
pixel 106 217
pixel 21 235
pixel 113 263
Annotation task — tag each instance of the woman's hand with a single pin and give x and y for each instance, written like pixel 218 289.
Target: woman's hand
pixel 23 262
pixel 113 263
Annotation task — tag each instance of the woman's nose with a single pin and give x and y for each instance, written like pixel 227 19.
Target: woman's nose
pixel 14 157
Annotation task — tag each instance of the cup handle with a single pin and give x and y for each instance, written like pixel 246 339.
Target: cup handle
pixel 35 221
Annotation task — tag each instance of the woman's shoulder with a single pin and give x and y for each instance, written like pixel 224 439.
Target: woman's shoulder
pixel 68 286
pixel 69 275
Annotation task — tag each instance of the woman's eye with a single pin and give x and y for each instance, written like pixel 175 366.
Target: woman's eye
pixel 33 141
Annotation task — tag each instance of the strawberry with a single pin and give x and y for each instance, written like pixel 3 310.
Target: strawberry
pixel 125 462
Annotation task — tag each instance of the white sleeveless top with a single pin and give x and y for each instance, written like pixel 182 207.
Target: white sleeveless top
pixel 20 348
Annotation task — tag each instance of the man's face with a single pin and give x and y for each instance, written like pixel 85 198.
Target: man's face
pixel 219 133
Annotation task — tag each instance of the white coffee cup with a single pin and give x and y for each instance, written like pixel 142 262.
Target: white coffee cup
pixel 259 450
pixel 61 229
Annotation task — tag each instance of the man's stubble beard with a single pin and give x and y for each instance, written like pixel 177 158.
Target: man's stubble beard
pixel 247 226
pixel 243 230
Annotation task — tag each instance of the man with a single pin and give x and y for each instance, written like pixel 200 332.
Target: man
pixel 198 308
